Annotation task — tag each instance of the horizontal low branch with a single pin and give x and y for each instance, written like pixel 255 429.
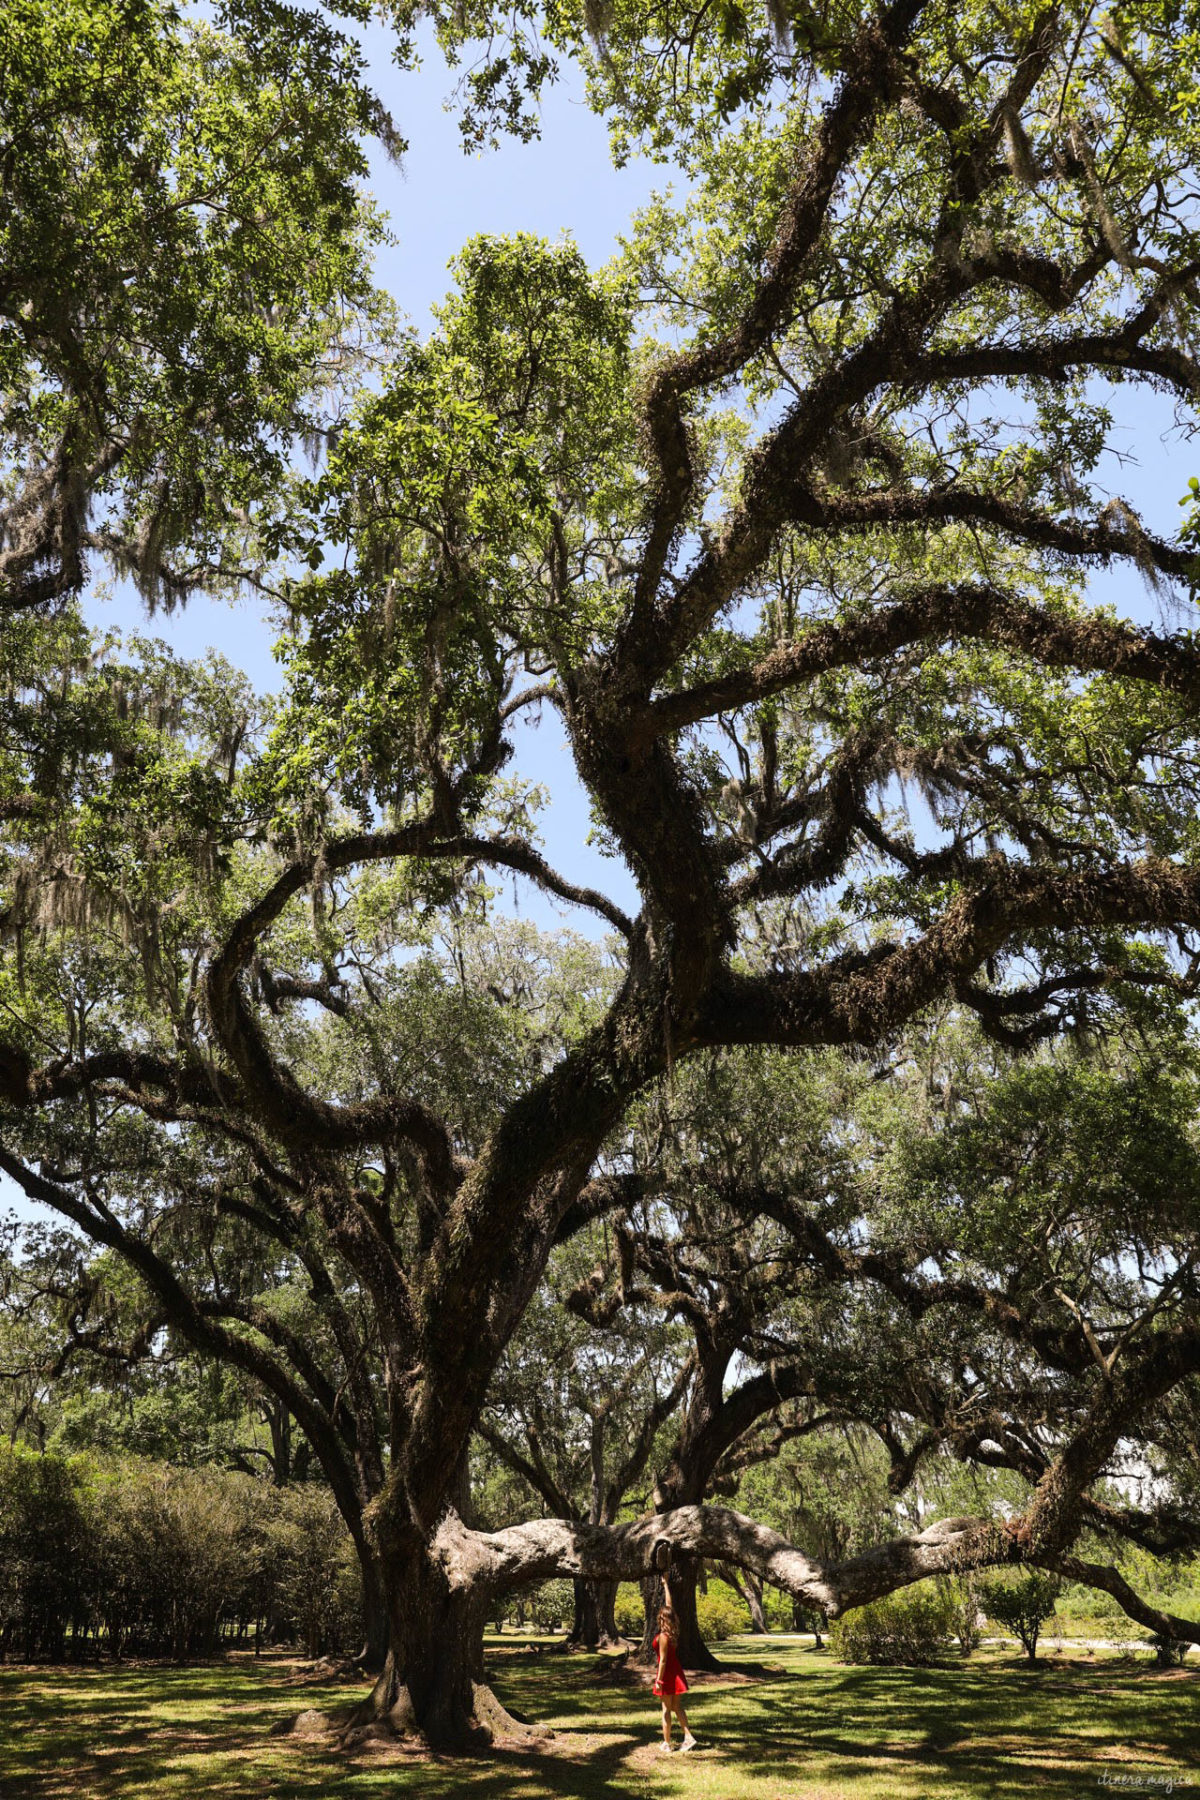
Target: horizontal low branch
pixel 545 1548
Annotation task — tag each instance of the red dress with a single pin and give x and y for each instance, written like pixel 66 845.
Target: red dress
pixel 672 1680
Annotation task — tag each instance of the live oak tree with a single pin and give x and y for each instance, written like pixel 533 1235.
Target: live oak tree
pixel 784 516
pixel 88 1362
pixel 695 1251
pixel 1004 1252
pixel 1022 1605
pixel 1074 1184
pixel 828 1491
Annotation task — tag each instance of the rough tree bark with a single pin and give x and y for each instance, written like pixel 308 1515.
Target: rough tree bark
pixel 545 1548
pixel 691 1648
pixel 376 1622
pixel 594 1624
pixel 432 1681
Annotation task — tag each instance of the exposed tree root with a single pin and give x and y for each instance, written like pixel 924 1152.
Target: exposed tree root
pixel 605 1641
pixel 367 1722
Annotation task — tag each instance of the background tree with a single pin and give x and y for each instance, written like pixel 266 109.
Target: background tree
pixel 183 279
pixel 89 1363
pixel 693 1251
pixel 955 1274
pixel 1022 1604
pixel 827 1490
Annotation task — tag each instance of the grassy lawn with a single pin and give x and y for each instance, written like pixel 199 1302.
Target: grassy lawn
pixel 806 1728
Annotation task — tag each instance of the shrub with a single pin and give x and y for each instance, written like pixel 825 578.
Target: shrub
pixel 316 1574
pixel 630 1613
pixel 551 1606
pixel 719 1615
pixel 157 1561
pixel 46 1565
pixel 778 1608
pixel 1169 1652
pixel 175 1550
pixel 910 1628
pixel 1021 1604
pixel 966 1613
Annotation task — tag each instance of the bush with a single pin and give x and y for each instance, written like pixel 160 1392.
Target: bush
pixel 47 1574
pixel 966 1613
pixel 719 1615
pixel 155 1561
pixel 630 1613
pixel 913 1628
pixel 316 1579
pixel 176 1549
pixel 779 1609
pixel 552 1605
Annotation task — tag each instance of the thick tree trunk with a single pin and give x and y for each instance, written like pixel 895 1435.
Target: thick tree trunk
pixel 376 1627
pixel 594 1626
pixel 585 1625
pixel 754 1600
pixel 692 1650
pixel 434 1662
pixel 432 1682
pixel 606 1606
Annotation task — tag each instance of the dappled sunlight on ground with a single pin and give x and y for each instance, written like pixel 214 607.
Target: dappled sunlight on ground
pixel 806 1728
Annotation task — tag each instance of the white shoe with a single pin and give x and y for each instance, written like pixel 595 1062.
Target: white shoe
pixel 689 1743
pixel 667 1749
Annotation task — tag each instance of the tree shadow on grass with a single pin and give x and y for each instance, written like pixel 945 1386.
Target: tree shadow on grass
pixel 203 1733
pixel 964 1730
pixel 116 1734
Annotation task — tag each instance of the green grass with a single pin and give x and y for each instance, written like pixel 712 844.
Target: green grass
pixel 806 1729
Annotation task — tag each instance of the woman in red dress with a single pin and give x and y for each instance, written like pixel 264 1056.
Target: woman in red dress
pixel 670 1683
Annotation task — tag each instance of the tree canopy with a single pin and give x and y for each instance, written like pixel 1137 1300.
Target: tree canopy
pixel 786 517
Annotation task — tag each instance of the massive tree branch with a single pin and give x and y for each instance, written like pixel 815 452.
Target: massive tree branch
pixel 1054 638
pixel 1111 1581
pixel 863 995
pixel 873 77
pixel 545 1548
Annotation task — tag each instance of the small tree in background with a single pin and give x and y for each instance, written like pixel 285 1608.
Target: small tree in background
pixel 965 1599
pixel 1021 1605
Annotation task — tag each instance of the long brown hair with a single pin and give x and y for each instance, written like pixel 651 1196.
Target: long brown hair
pixel 668 1623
